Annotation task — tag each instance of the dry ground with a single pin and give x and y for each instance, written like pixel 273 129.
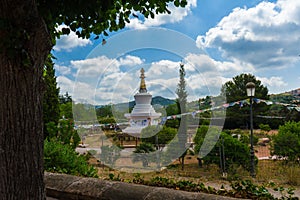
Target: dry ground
pixel 268 170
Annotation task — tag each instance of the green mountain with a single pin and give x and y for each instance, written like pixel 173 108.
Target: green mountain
pixel 287 97
pixel 158 101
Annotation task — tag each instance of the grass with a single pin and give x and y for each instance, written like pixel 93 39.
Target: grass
pixel 268 172
pixel 278 172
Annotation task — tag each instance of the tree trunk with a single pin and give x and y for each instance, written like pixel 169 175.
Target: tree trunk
pixel 24 45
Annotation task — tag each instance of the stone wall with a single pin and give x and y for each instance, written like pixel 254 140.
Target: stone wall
pixel 61 186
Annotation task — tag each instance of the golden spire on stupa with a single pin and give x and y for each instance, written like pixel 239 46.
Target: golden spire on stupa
pixel 143 88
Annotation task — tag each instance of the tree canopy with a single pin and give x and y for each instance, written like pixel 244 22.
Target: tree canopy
pixel 236 89
pixel 98 17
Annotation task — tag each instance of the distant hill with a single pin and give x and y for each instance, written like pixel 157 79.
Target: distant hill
pixel 158 100
pixel 292 96
pixel 162 101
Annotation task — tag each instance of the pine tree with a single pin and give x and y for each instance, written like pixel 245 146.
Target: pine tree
pixel 51 111
pixel 181 103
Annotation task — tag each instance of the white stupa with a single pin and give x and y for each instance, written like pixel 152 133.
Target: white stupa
pixel 143 114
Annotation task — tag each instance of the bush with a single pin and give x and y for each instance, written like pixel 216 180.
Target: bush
pixel 265 127
pixel 62 158
pixel 287 142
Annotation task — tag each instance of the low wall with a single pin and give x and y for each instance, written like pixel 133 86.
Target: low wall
pixel 67 187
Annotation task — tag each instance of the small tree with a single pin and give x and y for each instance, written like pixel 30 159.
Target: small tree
pixel 287 142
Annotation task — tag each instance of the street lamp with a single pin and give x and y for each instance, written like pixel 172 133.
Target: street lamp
pixel 250 93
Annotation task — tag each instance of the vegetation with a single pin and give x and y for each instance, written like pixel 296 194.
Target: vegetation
pixel 235 90
pixel 62 158
pixel 228 152
pixel 158 137
pixel 245 189
pixel 51 104
pixel 61 139
pixel 265 127
pixel 65 106
pixel 24 47
pixel 287 142
pixel 182 107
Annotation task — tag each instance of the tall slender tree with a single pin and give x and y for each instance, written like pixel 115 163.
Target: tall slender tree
pixel 28 30
pixel 182 107
pixel 51 112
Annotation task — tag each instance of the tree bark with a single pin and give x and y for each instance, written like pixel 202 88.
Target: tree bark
pixel 24 45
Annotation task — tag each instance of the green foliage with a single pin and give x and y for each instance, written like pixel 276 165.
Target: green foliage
pixel 66 110
pixel 66 106
pixel 97 16
pixel 50 98
pixel 164 136
pixel 107 120
pixel 104 111
pixel 286 193
pixel 236 152
pixel 287 142
pixel 66 98
pixel 246 189
pixel 62 158
pixel 236 89
pixel 265 127
pixel 64 132
pixel 172 109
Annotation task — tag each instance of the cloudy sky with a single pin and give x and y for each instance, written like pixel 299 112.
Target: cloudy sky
pixel 215 40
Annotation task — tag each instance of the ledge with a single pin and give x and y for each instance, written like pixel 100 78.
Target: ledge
pixel 67 187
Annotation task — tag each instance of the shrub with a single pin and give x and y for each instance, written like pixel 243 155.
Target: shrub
pixel 265 127
pixel 62 158
pixel 287 142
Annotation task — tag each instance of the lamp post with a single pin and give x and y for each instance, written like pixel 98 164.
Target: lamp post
pixel 250 93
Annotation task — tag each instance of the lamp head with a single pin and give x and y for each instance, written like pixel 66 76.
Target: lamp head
pixel 250 89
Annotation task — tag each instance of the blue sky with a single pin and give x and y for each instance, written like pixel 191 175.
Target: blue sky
pixel 215 39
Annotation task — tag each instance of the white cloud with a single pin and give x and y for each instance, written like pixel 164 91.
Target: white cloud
pixel 62 70
pixel 274 81
pixel 65 84
pixel 69 42
pixel 130 60
pixel 106 80
pixel 177 15
pixel 263 36
pixel 100 79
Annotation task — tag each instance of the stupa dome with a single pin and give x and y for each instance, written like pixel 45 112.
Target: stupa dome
pixel 143 113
